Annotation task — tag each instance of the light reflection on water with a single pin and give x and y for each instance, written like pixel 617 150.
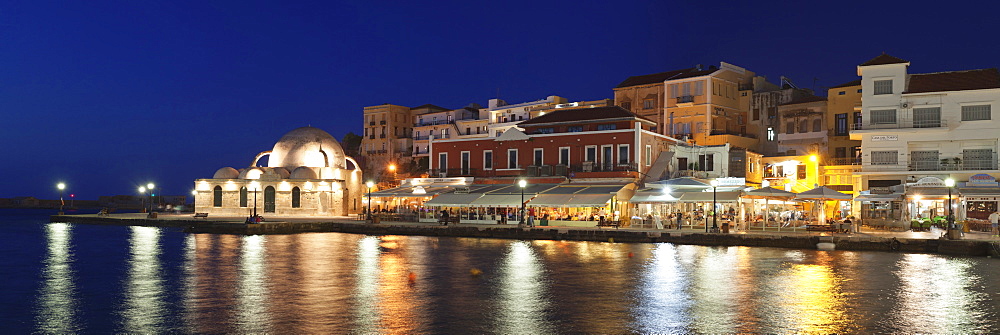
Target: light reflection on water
pixel 343 283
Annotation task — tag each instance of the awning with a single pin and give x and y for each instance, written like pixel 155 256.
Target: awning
pixel 453 200
pixel 500 200
pixel 589 200
pixel 707 196
pixel 550 200
pixel 877 197
pixel 654 197
pixel 930 193
pixel 980 191
pixel 407 191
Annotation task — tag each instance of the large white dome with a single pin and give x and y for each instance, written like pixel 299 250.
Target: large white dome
pixel 307 146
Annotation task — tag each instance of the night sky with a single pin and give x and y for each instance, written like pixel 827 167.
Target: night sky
pixel 110 95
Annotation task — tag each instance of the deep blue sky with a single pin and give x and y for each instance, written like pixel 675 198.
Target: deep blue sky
pixel 107 96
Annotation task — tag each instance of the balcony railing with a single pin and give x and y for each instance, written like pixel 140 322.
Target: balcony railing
pixel 900 124
pixel 843 161
pixel 421 151
pixel 726 132
pixel 685 99
pixel 535 171
pixel 947 165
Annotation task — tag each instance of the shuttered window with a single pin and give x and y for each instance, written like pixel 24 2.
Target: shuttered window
pixel 927 117
pixel 884 116
pixel 976 113
pixel 885 157
pixel 883 87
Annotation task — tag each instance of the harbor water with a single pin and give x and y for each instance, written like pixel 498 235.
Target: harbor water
pixel 78 278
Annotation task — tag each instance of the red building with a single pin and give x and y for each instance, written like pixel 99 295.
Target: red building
pixel 582 143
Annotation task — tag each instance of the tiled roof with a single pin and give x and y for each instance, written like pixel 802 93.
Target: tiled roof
pixel 849 84
pixel 805 99
pixel 430 106
pixel 883 59
pixel 693 74
pixel 954 81
pixel 583 114
pixel 652 78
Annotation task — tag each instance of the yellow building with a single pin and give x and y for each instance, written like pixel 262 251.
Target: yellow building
pixel 843 158
pixel 387 139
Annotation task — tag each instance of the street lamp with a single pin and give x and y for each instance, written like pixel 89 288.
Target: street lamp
pixel 150 188
pixel 522 183
pixel 255 186
pixel 715 213
pixel 61 187
pixel 142 191
pixel 370 184
pixel 392 168
pixel 951 217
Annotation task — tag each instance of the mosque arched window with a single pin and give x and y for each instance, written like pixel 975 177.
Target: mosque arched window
pixel 243 196
pixel 217 196
pixel 296 197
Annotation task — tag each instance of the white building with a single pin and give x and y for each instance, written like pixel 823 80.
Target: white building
pixel 307 174
pixel 926 125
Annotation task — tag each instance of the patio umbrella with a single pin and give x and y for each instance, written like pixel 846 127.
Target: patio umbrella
pixel 822 194
pixel 769 193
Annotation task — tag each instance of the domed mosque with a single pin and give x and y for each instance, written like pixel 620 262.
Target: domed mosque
pixel 307 174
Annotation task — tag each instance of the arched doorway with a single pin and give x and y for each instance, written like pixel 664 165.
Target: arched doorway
pixel 269 199
pixel 217 196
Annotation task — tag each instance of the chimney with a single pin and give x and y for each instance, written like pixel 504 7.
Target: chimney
pixel 697 67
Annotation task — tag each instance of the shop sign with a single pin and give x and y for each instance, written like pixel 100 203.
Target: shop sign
pixel 877 138
pixel 929 182
pixel 731 181
pixel 982 179
pixel 980 199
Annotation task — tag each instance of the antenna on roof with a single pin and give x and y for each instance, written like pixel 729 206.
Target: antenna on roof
pixel 498 93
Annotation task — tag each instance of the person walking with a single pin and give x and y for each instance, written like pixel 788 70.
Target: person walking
pixel 994 221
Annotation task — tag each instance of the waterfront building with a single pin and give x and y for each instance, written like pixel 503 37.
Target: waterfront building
pixel 918 130
pixel 387 139
pixel 307 174
pixel 764 117
pixel 707 106
pixel 503 116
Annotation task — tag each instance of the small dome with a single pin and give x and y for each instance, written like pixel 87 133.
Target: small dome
pixel 303 172
pixel 226 173
pixel 251 173
pixel 283 172
pixel 307 146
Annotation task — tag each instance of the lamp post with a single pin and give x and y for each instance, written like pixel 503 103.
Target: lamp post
pixel 952 230
pixel 368 215
pixel 61 187
pixel 392 168
pixel 522 183
pixel 142 191
pixel 715 213
pixel 254 185
pixel 150 187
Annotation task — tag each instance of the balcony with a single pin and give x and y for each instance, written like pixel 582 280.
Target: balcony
pixel 685 99
pixel 381 136
pixel 900 124
pixel 937 166
pixel 421 138
pixel 381 122
pixel 843 161
pixel 421 151
pixel 371 123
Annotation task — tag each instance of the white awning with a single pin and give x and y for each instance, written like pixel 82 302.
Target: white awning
pixel 877 197
pixel 453 200
pixel 589 200
pixel 654 197
pixel 550 200
pixel 707 196
pixel 500 200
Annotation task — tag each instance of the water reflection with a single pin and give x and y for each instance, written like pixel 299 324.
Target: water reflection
pixel 366 278
pixel 522 292
pixel 144 309
pixel 712 290
pixel 934 296
pixel 57 305
pixel 252 291
pixel 663 298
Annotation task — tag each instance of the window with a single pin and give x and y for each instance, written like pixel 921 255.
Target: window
pixel 924 160
pixel 800 171
pixel 789 127
pixel 591 153
pixel 706 162
pixel 217 196
pixel 885 157
pixel 817 125
pixel 840 152
pixel 927 117
pixel 884 116
pixel 465 162
pixel 626 105
pixel 607 158
pixel 537 161
pixel 564 155
pixel 607 127
pixel 842 93
pixel 545 130
pixel 574 129
pixel 804 126
pixel 243 196
pixel 673 91
pixel 443 161
pixel 649 155
pixel 511 158
pixel 840 124
pixel 976 113
pixel 296 197
pixel 648 104
pixel 979 159
pixel 488 160
pixel 623 155
pixel 699 88
pixel 756 114
pixel 883 87
pixel 859 91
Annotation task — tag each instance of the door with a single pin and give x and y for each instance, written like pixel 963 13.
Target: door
pixel 606 157
pixel 269 199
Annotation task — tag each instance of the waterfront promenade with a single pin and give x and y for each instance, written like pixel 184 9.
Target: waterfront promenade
pixel 972 244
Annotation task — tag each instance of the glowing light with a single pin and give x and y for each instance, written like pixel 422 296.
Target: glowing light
pixel 522 183
pixel 949 182
pixel 150 186
pixel 370 184
pixel 142 189
pixel 813 158
pixel 392 167
pixel 61 186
